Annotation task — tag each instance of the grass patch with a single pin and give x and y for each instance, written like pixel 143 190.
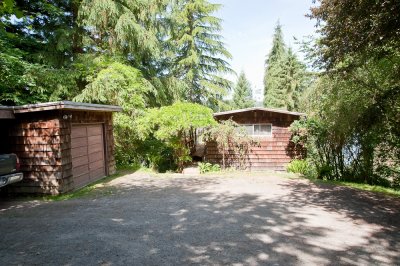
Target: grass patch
pixel 93 188
pixel 377 189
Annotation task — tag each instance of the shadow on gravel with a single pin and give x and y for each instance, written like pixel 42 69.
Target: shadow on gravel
pixel 178 222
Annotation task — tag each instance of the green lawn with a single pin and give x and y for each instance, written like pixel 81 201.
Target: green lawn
pixel 379 189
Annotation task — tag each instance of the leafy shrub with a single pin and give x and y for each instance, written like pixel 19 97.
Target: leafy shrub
pixel 324 172
pixel 298 166
pixel 175 125
pixel 208 167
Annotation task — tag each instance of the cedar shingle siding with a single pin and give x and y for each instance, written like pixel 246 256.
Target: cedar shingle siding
pixel 42 140
pixel 273 153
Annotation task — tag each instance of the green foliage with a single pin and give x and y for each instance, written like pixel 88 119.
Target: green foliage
pixel 285 76
pixel 52 51
pixel 117 84
pixel 131 150
pixel 372 29
pixel 22 81
pixel 37 47
pixel 242 93
pixel 201 55
pixel 298 166
pixel 176 125
pixel 323 152
pixel 208 167
pixel 125 27
pixel 353 132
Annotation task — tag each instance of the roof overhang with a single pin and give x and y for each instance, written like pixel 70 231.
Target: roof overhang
pixel 6 112
pixel 259 109
pixel 65 105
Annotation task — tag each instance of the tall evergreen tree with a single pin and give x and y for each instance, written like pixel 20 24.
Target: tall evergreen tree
pixel 285 76
pixel 273 92
pixel 242 93
pixel 278 49
pixel 201 54
pixel 295 80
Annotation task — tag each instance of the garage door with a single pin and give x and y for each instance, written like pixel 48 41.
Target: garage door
pixel 87 150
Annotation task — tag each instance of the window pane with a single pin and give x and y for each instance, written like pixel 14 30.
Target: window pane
pixel 266 129
pixel 262 129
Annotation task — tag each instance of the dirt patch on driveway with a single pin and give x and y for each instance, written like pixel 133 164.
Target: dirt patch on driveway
pixel 252 219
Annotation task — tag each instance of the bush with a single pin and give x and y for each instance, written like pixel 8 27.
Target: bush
pixel 324 172
pixel 175 126
pixel 298 166
pixel 208 167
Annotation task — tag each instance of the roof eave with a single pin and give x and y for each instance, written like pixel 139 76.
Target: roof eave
pixel 259 109
pixel 6 113
pixel 66 105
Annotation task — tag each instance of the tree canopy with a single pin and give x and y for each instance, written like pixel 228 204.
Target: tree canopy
pixel 242 93
pixel 354 103
pixel 200 52
pixel 285 76
pixel 49 48
pixel 371 27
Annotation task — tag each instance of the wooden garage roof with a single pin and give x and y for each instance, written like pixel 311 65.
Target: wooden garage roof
pixel 65 105
pixel 260 109
pixel 6 112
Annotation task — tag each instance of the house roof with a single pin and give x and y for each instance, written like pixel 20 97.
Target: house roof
pixel 65 105
pixel 260 109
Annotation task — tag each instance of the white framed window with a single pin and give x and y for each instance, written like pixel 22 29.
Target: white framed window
pixel 258 129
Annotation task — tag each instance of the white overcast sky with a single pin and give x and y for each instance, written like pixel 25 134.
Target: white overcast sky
pixel 248 27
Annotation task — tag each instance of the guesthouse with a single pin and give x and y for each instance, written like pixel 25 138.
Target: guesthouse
pixel 270 128
pixel 62 146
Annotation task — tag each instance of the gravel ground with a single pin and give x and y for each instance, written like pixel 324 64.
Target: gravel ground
pixel 247 219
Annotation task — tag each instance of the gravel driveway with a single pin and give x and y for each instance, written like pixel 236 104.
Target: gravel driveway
pixel 252 219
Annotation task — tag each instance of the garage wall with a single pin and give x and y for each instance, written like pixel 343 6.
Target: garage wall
pixel 39 139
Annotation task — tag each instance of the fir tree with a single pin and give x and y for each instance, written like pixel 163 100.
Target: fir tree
pixel 285 76
pixel 201 54
pixel 274 71
pixel 242 97
pixel 278 49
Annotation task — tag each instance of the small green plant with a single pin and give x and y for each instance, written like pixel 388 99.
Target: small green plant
pixel 298 166
pixel 209 167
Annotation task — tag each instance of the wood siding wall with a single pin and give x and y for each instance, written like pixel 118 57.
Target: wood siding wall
pixel 273 153
pixel 39 139
pixel 42 140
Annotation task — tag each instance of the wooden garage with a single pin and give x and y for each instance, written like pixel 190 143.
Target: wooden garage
pixel 270 127
pixel 62 146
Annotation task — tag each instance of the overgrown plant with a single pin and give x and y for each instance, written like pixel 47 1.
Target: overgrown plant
pixel 176 125
pixel 354 105
pixel 230 139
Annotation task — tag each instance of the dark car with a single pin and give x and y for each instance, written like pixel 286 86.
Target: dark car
pixel 9 169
